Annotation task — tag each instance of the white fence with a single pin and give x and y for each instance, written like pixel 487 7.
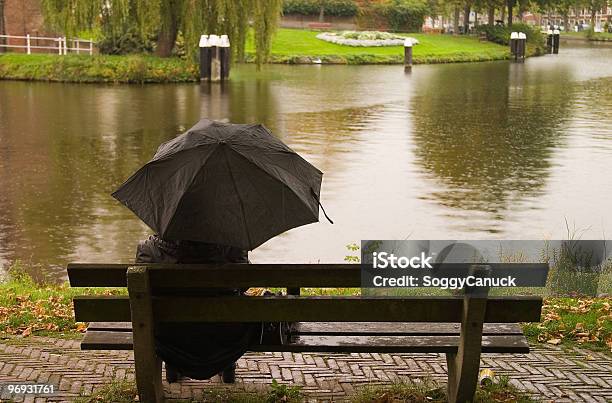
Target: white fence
pixel 55 45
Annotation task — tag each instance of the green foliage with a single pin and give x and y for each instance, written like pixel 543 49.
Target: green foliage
pixel 100 68
pixel 126 42
pixel 427 390
pixel 340 8
pixel 283 393
pixel 164 19
pixel 117 391
pixel 403 15
pixel 501 34
pixel 265 11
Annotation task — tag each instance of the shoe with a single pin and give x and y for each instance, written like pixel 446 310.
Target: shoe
pixel 229 374
pixel 172 374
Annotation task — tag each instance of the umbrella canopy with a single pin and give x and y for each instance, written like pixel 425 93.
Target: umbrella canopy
pixel 230 184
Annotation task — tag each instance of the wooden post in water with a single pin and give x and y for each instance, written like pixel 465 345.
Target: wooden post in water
pixel 549 41
pixel 215 63
pixel 513 44
pixel 556 39
pixel 224 57
pixel 408 54
pixel 521 45
pixel 205 58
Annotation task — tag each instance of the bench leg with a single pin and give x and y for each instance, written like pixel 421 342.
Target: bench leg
pixel 463 365
pixel 148 365
pixel 462 378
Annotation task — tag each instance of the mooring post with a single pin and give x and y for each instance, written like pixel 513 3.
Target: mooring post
pixel 224 56
pixel 215 63
pixel 549 41
pixel 522 45
pixel 556 39
pixel 513 44
pixel 204 58
pixel 408 54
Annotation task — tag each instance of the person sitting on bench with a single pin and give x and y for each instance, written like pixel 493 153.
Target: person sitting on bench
pixel 201 350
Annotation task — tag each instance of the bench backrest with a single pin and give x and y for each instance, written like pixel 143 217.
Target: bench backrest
pixel 155 281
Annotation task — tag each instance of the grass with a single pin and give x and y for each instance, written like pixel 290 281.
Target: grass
pixel 571 322
pixel 288 46
pixel 302 46
pixel 125 392
pixel 595 36
pixel 499 390
pixel 97 68
pixel 28 308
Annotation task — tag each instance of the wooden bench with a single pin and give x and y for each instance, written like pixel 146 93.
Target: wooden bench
pixel 319 25
pixel 462 327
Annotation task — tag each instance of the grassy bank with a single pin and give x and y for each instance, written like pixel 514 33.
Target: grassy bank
pixel 98 68
pixel 28 308
pixel 288 46
pixel 302 46
pixel 585 35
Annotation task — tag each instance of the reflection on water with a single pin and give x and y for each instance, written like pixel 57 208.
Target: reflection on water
pixel 486 150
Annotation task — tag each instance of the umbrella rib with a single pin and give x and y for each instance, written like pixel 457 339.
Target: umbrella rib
pixel 246 227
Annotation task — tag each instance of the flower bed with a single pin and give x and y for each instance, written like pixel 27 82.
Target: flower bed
pixel 364 38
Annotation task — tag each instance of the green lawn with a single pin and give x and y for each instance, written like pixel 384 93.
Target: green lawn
pixel 295 46
pixel 598 36
pixel 97 68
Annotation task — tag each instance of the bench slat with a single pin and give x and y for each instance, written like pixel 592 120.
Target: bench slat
pixel 359 328
pixel 399 329
pixel 307 309
pixel 221 275
pixel 107 340
pixel 120 340
pixel 253 275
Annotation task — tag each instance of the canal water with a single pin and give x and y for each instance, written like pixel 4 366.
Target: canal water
pixel 464 151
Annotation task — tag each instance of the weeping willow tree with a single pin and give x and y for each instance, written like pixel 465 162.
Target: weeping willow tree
pixel 165 19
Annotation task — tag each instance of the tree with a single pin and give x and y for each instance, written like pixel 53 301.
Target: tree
pixel 2 27
pixel 510 4
pixel 594 6
pixel 165 19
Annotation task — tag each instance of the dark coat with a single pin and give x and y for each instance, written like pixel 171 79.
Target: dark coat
pixel 198 350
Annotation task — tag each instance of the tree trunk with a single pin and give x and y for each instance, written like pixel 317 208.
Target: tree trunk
pixel 168 29
pixel 466 17
pixel 510 7
pixel 456 20
pixel 491 16
pixel 593 13
pixel 321 13
pixel 2 26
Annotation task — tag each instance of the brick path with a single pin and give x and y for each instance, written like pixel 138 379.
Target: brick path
pixel 547 372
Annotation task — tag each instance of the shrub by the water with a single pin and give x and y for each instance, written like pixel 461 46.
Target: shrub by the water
pixel 501 34
pixel 338 8
pixel 396 15
pixel 97 68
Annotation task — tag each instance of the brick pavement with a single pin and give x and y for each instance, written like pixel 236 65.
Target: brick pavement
pixel 547 372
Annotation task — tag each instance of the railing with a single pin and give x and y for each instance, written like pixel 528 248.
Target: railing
pixel 59 44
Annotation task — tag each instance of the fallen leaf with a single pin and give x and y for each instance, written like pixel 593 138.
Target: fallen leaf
pixel 554 342
pixel 27 332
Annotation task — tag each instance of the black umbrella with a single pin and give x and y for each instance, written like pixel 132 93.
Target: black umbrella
pixel 230 184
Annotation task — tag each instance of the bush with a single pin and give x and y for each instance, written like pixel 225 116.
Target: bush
pixel 396 15
pixel 123 43
pixel 501 34
pixel 338 8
